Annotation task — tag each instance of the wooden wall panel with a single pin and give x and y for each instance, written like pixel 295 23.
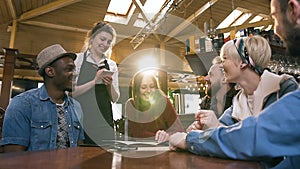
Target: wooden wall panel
pixel 32 39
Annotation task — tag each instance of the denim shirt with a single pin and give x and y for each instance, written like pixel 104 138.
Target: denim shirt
pixel 272 135
pixel 31 121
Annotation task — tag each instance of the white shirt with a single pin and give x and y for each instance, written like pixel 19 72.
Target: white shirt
pixel 112 66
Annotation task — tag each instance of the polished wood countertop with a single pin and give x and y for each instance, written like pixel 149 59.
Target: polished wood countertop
pixel 97 158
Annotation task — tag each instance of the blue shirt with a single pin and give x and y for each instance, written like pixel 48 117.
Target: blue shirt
pixel 31 120
pixel 273 136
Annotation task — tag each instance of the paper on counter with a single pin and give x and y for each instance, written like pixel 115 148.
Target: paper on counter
pixel 160 148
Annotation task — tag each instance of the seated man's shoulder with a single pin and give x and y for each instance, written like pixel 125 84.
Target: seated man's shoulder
pixel 32 94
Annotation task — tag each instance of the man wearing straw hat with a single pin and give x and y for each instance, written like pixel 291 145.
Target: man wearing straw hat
pixel 45 118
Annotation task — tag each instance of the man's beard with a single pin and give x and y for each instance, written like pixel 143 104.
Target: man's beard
pixel 292 39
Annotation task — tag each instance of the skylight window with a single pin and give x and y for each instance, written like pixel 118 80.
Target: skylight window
pixel 119 11
pixel 119 7
pixel 256 19
pixel 230 19
pixel 241 19
pixel 151 8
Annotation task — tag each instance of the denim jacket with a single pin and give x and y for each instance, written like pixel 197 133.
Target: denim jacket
pixel 271 136
pixel 31 121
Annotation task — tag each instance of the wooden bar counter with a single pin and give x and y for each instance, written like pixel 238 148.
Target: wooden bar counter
pixel 97 158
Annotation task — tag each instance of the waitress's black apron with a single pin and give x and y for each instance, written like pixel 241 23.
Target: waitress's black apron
pixel 96 106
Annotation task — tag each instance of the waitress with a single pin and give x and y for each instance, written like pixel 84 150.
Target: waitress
pixel 94 91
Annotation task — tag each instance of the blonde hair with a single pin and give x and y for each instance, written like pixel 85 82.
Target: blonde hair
pixel 254 50
pixel 259 50
pixel 229 50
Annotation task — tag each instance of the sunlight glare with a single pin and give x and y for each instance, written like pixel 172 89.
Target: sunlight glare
pixel 147 62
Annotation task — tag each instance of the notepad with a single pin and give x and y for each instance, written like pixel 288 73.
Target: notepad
pixel 107 72
pixel 151 143
pixel 159 148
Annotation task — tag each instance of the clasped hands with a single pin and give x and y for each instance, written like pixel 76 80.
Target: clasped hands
pixel 205 119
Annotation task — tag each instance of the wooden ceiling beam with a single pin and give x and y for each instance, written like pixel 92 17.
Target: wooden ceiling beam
pixel 189 20
pixel 46 8
pixel 63 27
pixel 256 7
pixel 13 28
pixel 247 25
pixel 55 26
pixel 11 8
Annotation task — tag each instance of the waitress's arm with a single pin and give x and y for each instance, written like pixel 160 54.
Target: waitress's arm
pixel 79 90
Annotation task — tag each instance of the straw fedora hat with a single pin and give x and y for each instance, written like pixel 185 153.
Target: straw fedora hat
pixel 51 54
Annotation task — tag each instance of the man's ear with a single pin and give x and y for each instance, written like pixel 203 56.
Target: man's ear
pixel 49 71
pixel 294 11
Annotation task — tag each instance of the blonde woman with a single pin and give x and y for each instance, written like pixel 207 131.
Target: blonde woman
pixel 244 61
